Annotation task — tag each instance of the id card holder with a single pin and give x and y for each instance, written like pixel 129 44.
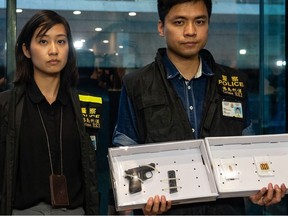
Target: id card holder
pixel 58 190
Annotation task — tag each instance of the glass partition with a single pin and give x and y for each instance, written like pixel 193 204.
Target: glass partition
pixel 122 35
pixel 273 66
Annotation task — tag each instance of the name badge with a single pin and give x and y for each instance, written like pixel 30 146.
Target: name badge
pixel 232 109
pixel 58 190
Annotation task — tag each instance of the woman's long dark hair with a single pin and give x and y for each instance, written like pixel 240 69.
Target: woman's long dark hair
pixel 45 19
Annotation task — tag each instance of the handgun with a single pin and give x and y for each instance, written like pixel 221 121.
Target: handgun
pixel 137 175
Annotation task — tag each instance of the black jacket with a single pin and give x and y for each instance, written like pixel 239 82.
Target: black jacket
pixel 159 111
pixel 11 105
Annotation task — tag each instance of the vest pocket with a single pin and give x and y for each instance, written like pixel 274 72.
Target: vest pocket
pixel 143 102
pixel 155 111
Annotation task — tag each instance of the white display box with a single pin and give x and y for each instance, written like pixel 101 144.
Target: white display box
pixel 243 165
pixel 188 159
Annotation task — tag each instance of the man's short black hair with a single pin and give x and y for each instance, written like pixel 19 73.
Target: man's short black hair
pixel 164 6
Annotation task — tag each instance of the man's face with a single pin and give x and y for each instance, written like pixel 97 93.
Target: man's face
pixel 185 30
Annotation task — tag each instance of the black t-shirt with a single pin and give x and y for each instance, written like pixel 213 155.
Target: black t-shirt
pixel 32 181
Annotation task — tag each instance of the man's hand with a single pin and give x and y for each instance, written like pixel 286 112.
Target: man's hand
pixel 156 205
pixel 269 196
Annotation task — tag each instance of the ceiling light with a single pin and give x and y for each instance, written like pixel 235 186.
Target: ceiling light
pixel 243 52
pixel 98 29
pixel 78 44
pixel 76 12
pixel 19 10
pixel 106 41
pixel 281 63
pixel 132 13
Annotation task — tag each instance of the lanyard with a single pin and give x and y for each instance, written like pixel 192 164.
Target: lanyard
pixel 58 183
pixel 47 138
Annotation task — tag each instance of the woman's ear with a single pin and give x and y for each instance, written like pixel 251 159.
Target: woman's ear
pixel 161 28
pixel 26 51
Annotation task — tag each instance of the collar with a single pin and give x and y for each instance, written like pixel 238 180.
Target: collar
pixel 36 95
pixel 199 71
pixel 172 71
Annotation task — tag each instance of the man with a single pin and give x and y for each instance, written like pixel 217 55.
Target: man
pixel 184 94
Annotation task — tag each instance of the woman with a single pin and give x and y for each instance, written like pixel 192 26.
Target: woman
pixel 47 161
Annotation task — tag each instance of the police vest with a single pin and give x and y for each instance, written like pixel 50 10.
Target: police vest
pixel 91 109
pixel 160 113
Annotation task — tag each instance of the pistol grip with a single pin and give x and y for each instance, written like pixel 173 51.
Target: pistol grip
pixel 134 185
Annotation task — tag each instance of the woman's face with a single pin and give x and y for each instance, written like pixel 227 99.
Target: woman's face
pixel 48 52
